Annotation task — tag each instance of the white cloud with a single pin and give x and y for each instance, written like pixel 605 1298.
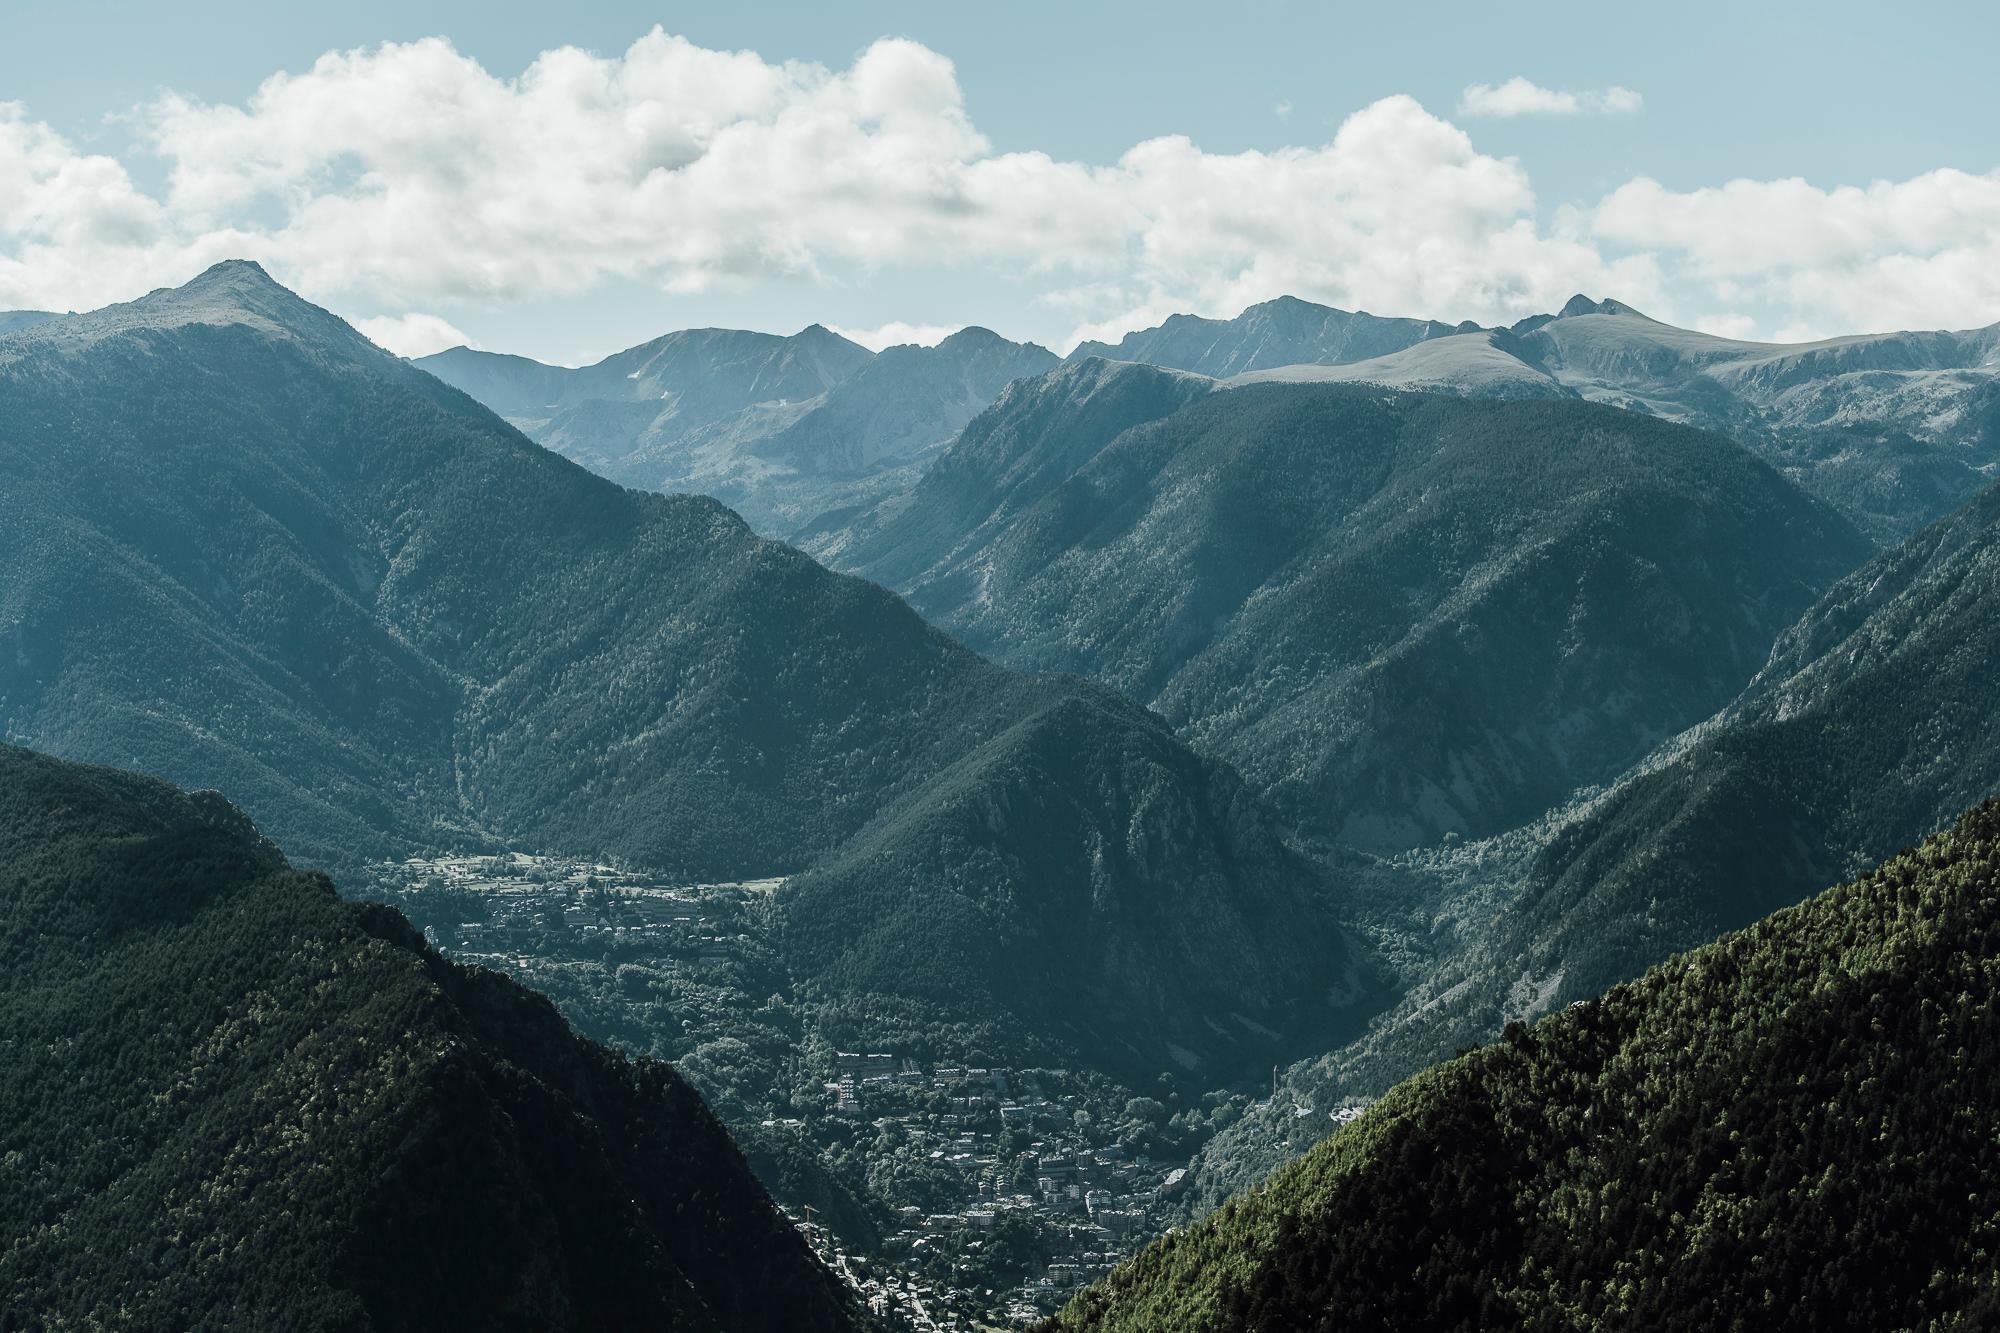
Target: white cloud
pixel 407 172
pixel 1918 253
pixel 1520 97
pixel 896 333
pixel 407 175
pixel 1729 325
pixel 414 334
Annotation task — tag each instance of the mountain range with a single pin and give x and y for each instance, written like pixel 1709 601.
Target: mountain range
pixel 1305 687
pixel 231 1099
pixel 1893 429
pixel 1284 332
pixel 1867 727
pixel 1401 616
pixel 255 553
pixel 782 429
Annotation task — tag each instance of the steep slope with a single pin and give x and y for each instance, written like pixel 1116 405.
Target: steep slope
pixel 1035 435
pixel 1283 332
pixel 231 1099
pixel 1401 616
pixel 1871 724
pixel 321 581
pixel 968 901
pixel 1777 1130
pixel 781 429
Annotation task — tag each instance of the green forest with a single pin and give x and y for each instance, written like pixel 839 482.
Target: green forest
pixel 1789 1127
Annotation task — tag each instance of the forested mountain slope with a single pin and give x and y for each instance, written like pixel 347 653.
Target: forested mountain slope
pixel 1783 1129
pixel 1872 723
pixel 1401 616
pixel 247 550
pixel 229 1098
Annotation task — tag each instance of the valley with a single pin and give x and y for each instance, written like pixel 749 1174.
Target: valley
pixel 981 1191
pixel 1185 822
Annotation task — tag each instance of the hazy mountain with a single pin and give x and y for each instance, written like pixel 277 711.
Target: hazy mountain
pixel 231 1099
pixel 782 429
pixel 1283 332
pixel 1777 1130
pixel 1477 365
pixel 11 320
pixel 1402 616
pixel 1893 429
pixel 249 550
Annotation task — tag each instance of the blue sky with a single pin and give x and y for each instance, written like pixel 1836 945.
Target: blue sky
pixel 1002 190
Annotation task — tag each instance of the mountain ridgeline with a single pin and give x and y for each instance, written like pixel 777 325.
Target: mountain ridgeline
pixel 1284 332
pixel 782 429
pixel 252 552
pixel 231 1100
pixel 1401 616
pixel 1781 1129
pixel 1893 429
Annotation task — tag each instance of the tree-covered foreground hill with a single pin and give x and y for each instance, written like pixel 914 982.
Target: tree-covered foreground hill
pixel 229 1099
pixel 1788 1128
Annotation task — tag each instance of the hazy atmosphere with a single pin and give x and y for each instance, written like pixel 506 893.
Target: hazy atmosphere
pixel 924 669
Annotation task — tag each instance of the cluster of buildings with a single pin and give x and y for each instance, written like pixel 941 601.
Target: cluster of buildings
pixel 527 898
pixel 1024 1161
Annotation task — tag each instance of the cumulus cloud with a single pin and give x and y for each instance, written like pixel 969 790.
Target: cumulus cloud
pixel 414 334
pixel 1520 97
pixel 408 175
pixel 407 172
pixel 896 333
pixel 1918 253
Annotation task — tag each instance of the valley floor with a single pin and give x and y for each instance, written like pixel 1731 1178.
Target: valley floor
pixel 955 1196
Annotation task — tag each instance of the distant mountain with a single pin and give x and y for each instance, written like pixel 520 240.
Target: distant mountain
pixel 232 1100
pixel 782 429
pixel 11 320
pixel 1480 365
pixel 248 550
pixel 1401 616
pixel 1893 429
pixel 1283 332
pixel 1776 1130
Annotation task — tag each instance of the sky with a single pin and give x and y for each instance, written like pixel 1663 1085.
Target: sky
pixel 563 181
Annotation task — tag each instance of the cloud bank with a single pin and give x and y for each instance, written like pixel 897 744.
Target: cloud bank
pixel 407 174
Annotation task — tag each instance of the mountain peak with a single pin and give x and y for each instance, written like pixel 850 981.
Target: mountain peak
pixel 234 272
pixel 1583 305
pixel 236 292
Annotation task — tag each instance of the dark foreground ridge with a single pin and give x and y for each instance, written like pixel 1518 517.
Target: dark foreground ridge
pixel 229 1099
pixel 1787 1128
